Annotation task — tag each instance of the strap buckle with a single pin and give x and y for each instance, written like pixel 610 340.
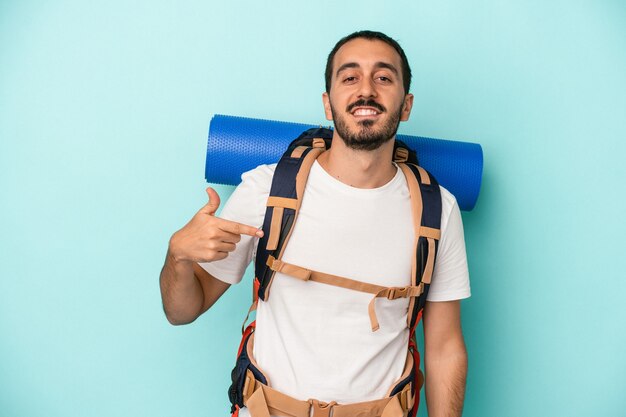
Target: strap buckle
pixel 397 292
pixel 271 261
pixel 405 292
pixel 406 398
pixel 321 409
pixel 249 385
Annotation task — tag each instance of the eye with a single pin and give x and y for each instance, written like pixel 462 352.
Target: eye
pixel 349 79
pixel 384 79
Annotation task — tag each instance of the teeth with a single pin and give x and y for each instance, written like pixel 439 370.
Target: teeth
pixel 365 112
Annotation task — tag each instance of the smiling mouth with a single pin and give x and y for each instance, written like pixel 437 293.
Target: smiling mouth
pixel 365 112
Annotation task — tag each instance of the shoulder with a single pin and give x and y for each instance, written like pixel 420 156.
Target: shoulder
pixel 247 202
pixel 260 176
pixel 256 182
pixel 451 220
pixel 451 276
pixel 448 205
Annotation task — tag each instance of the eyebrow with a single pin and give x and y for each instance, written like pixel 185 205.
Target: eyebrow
pixel 379 64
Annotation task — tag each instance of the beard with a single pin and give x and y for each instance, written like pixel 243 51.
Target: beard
pixel 367 137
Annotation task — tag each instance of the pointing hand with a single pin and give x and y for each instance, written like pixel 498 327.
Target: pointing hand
pixel 207 238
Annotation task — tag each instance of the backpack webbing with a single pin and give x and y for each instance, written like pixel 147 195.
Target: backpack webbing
pixel 286 194
pixel 283 205
pixel 284 201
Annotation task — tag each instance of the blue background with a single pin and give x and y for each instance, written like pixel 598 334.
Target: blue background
pixel 104 109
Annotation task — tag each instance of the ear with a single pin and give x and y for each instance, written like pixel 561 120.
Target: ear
pixel 326 101
pixel 406 108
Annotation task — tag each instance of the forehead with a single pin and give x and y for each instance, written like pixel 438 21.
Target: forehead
pixel 366 52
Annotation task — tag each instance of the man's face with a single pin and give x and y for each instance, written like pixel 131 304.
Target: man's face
pixel 367 99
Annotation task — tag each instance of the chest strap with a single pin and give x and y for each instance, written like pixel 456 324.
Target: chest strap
pixel 391 293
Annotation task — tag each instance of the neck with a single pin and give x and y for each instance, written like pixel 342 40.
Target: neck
pixel 360 169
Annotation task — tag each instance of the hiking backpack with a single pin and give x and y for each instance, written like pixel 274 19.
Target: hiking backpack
pixel 283 205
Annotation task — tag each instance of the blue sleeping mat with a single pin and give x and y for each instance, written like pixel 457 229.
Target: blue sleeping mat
pixel 239 144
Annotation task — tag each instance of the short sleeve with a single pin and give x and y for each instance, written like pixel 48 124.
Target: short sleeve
pixel 450 279
pixel 246 205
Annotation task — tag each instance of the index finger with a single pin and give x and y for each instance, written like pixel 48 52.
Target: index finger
pixel 239 228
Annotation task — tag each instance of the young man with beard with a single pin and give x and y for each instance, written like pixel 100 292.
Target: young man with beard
pixel 314 340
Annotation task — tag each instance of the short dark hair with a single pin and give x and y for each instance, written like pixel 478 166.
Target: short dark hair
pixel 370 35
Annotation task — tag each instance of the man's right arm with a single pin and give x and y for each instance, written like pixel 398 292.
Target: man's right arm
pixel 187 290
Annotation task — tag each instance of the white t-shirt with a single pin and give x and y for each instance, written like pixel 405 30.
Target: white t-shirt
pixel 314 340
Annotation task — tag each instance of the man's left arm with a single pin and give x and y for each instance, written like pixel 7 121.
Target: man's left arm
pixel 445 359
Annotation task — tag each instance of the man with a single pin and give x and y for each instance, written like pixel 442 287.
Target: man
pixel 314 340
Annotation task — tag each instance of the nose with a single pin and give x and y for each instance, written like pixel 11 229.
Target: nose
pixel 367 88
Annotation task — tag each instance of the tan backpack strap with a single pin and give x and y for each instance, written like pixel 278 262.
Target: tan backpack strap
pixel 257 404
pixel 252 308
pixel 319 143
pixel 391 293
pixel 283 202
pixel 297 153
pixel 429 232
pixel 400 155
pixel 431 235
pixel 279 205
pixel 264 401
pixel 424 178
pixel 321 277
pixel 303 173
pixel 301 179
pixel 416 208
pixel 430 262
pixel 393 408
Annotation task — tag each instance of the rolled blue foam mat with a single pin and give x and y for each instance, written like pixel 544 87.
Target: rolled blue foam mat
pixel 239 144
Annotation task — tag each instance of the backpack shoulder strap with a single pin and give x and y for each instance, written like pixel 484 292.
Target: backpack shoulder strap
pixel 426 207
pixel 283 205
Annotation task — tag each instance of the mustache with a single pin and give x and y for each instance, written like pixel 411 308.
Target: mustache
pixel 365 103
